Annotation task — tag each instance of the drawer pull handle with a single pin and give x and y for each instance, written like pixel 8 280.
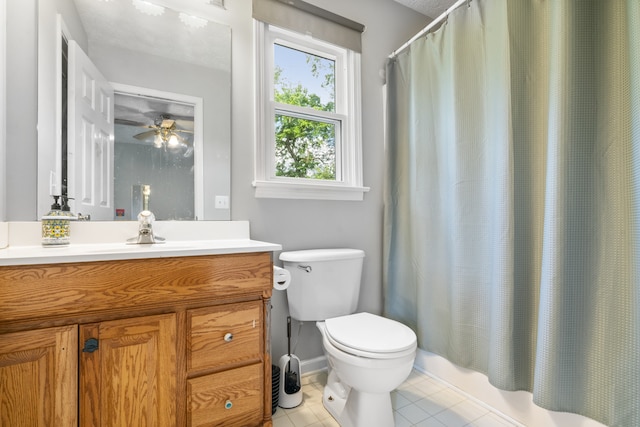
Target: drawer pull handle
pixel 228 404
pixel 228 337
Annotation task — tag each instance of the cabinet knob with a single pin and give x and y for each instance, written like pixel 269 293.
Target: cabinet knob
pixel 228 337
pixel 228 404
pixel 90 345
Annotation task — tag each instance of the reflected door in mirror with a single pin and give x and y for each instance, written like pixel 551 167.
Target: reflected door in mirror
pixel 91 138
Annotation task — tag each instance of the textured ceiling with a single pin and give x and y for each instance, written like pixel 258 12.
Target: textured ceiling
pixel 431 8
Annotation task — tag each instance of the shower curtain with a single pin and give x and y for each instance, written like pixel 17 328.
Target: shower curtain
pixel 512 199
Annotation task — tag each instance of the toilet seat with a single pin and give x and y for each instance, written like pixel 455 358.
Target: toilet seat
pixel 371 336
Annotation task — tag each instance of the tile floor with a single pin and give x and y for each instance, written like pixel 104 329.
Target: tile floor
pixel 421 401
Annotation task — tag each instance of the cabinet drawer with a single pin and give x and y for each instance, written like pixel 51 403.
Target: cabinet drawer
pixel 229 398
pixel 225 335
pixel 65 291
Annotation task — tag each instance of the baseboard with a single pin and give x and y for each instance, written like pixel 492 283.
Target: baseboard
pixel 310 366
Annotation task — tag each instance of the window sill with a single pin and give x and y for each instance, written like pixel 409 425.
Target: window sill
pixel 308 190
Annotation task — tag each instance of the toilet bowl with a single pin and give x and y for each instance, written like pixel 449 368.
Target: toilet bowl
pixel 368 357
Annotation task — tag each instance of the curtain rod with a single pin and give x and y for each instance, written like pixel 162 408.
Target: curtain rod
pixel 428 27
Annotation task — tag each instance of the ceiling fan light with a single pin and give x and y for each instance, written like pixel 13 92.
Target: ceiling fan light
pixel 148 8
pixel 157 141
pixel 173 140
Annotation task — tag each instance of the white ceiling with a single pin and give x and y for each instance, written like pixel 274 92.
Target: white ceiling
pixel 431 8
pixel 122 24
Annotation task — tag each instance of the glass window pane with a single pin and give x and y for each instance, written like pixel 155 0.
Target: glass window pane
pixel 305 148
pixel 303 79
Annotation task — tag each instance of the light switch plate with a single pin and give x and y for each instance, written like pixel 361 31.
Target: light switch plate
pixel 222 202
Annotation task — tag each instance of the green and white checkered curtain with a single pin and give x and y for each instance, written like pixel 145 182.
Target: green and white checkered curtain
pixel 512 199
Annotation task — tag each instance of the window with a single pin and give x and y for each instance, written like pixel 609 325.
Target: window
pixel 307 119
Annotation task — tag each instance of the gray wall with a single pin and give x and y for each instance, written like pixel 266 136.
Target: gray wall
pixel 3 114
pixel 296 224
pixel 303 224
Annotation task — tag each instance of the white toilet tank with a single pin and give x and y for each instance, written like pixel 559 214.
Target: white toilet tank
pixel 325 283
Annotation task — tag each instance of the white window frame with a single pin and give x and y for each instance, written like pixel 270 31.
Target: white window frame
pixel 348 184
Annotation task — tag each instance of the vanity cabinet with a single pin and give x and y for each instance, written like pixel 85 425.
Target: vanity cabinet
pixel 225 340
pixel 38 377
pixel 128 372
pixel 179 341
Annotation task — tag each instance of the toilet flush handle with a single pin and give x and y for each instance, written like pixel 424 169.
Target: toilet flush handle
pixel 306 268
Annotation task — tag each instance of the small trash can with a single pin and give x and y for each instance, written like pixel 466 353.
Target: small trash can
pixel 275 388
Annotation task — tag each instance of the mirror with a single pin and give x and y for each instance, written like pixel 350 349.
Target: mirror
pixel 176 63
pixel 158 136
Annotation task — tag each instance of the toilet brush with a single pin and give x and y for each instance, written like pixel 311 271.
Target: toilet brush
pixel 291 382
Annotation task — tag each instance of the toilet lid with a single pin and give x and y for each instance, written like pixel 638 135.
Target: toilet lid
pixel 370 333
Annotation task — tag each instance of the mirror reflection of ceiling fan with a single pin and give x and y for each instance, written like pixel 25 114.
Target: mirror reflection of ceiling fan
pixel 165 132
pixel 152 120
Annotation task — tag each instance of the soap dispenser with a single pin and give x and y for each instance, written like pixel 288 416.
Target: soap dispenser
pixel 56 227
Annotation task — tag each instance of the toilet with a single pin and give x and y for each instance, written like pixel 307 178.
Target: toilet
pixel 368 355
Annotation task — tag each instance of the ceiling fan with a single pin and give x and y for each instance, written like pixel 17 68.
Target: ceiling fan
pixel 165 133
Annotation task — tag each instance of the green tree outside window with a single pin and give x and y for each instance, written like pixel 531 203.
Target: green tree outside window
pixel 306 148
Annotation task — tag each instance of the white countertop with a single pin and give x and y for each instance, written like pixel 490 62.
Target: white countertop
pixel 107 241
pixel 29 255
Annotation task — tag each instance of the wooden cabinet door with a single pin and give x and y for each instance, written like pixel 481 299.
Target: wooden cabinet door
pixel 128 377
pixel 38 377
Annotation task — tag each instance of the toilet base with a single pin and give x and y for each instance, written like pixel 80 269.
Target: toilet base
pixel 334 404
pixel 359 409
